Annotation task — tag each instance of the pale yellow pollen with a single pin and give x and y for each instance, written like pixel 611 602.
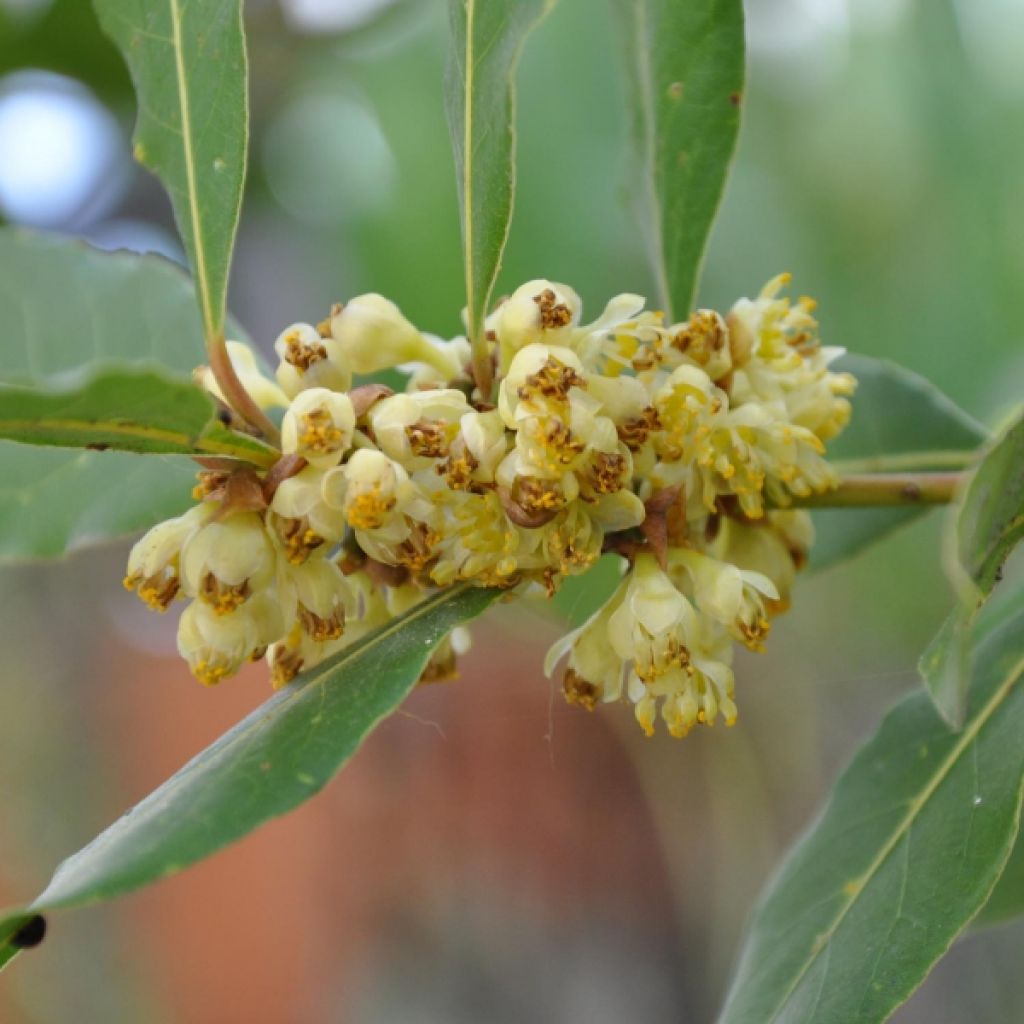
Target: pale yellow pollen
pixel 368 509
pixel 210 673
pixel 320 433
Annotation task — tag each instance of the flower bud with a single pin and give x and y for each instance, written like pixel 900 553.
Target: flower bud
pixel 374 336
pixel 319 426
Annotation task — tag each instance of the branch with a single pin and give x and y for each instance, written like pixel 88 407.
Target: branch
pixel 887 489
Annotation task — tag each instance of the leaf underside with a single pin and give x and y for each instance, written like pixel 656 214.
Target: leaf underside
pixel 67 309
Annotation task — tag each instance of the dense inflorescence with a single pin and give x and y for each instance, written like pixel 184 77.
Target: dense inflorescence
pixel 678 447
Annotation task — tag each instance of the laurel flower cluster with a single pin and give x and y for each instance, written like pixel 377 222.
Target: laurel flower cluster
pixel 678 447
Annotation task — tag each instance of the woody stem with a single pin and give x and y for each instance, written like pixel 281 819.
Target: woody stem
pixel 867 490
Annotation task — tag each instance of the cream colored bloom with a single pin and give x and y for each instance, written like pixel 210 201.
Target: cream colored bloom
pixel 595 669
pixel 154 563
pixel 536 311
pixel 310 360
pixel 731 596
pixel 539 381
pixel 371 490
pixel 227 560
pixel 319 426
pixel 416 429
pixel 320 593
pixel 477 450
pixel 216 646
pixel 301 518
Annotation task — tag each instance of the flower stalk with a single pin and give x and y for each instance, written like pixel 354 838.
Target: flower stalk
pixel 234 391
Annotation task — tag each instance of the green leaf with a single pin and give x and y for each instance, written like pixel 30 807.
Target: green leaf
pixel 987 523
pixel 911 844
pixel 187 61
pixel 685 64
pixel 487 37
pixel 990 518
pixel 64 307
pixel 580 596
pixel 900 423
pixel 131 410
pixel 1007 899
pixel 268 764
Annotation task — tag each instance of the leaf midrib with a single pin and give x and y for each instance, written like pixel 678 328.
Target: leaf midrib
pixel 644 75
pixel 467 172
pixel 212 446
pixel 209 323
pixel 967 737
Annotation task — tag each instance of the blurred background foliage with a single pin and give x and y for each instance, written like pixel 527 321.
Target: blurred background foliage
pixel 492 854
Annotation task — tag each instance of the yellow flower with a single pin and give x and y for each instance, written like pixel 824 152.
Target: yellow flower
pixel 538 311
pixel 216 646
pixel 319 426
pixel 154 563
pixel 300 517
pixel 226 561
pixel 310 360
pixel 416 429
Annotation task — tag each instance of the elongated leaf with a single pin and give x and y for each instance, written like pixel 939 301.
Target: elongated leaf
pixel 272 761
pixel 126 409
pixel 685 67
pixel 987 523
pixel 64 307
pixel 990 520
pixel 187 61
pixel 1007 899
pixel 900 423
pixel 487 37
pixel 910 846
